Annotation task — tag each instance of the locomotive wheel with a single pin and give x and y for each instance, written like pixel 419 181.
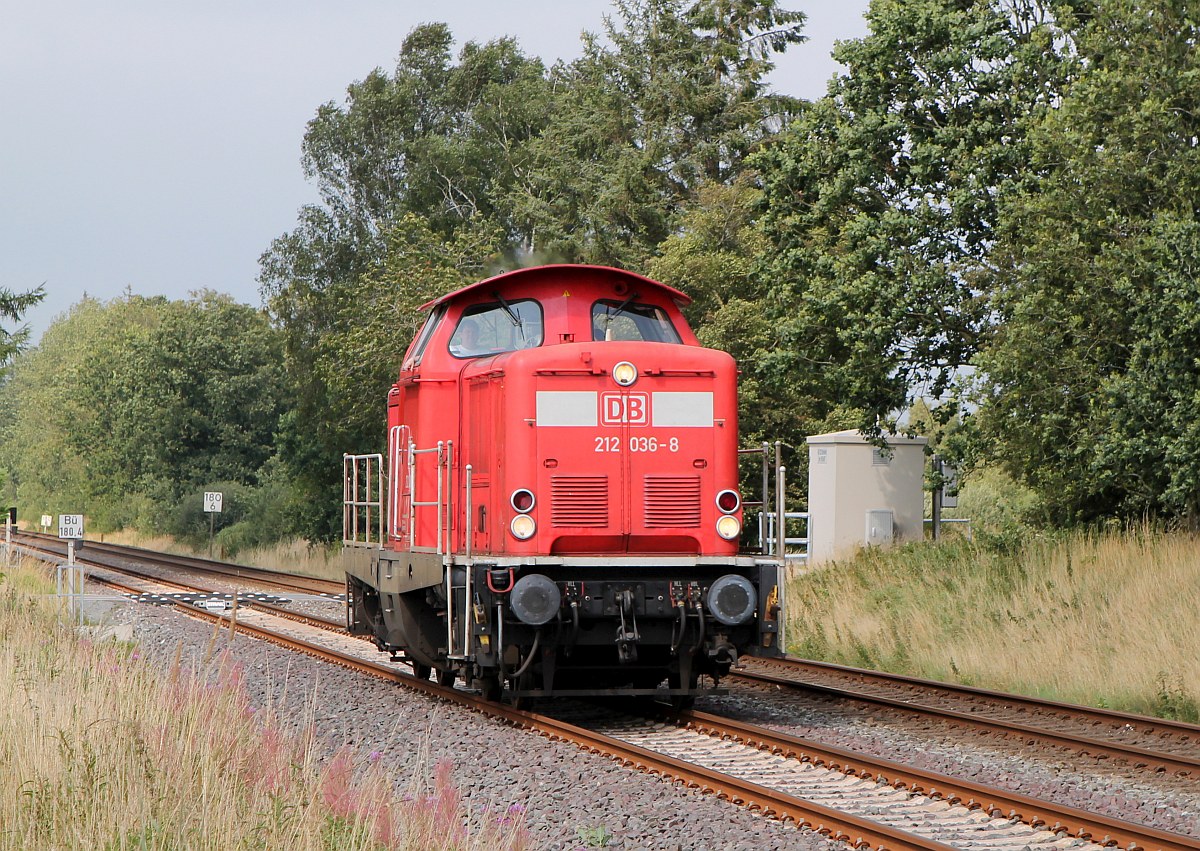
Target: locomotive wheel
pixel 445 678
pixel 421 671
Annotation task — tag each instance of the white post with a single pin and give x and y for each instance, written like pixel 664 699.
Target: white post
pixel 73 603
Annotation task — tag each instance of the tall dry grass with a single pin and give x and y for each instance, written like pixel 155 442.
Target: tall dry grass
pixel 1107 620
pixel 100 750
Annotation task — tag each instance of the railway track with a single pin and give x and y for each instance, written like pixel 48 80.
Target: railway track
pixel 106 554
pixel 1148 743
pixel 862 800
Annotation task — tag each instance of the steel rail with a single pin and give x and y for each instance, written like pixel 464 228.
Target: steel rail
pixel 1037 813
pixel 290 581
pixel 1144 723
pixel 773 803
pixel 279 611
pixel 859 832
pixel 1139 757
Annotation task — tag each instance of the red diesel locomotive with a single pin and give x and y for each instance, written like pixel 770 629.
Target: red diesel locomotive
pixel 558 508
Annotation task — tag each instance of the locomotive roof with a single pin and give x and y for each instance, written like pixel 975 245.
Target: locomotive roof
pixel 679 297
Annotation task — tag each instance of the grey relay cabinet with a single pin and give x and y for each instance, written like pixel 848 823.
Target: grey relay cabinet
pixel 860 495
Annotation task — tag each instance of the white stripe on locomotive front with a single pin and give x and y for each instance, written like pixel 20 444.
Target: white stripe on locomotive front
pixel 567 408
pixel 668 409
pixel 673 409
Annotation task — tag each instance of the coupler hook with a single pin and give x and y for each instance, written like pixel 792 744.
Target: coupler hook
pixel 627 635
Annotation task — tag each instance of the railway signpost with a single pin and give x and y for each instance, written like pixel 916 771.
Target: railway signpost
pixel 9 522
pixel 70 529
pixel 213 501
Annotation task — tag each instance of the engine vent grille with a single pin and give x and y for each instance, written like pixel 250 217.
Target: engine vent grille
pixel 579 501
pixel 672 501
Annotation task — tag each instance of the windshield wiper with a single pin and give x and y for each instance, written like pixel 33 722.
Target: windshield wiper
pixel 609 312
pixel 516 320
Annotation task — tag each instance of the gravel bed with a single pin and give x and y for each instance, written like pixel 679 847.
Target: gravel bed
pixel 1107 787
pixel 565 790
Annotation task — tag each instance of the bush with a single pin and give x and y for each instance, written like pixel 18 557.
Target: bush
pixel 1003 512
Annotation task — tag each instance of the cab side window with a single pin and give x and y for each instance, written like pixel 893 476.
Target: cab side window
pixel 614 320
pixel 418 347
pixel 503 326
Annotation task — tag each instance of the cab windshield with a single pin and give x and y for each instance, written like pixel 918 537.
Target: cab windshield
pixel 501 326
pixel 617 320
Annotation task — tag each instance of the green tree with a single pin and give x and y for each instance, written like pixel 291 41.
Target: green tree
pixel 372 319
pixel 443 171
pixel 62 394
pixel 881 200
pixel 1092 383
pixel 12 308
pixel 715 258
pixel 673 98
pixel 125 406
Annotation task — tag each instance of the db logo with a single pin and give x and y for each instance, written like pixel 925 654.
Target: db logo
pixel 628 409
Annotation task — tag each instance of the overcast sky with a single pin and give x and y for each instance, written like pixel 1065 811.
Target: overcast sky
pixel 155 145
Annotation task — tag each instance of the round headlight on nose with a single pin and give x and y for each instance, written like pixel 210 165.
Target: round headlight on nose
pixel 729 527
pixel 522 527
pixel 625 373
pixel 732 599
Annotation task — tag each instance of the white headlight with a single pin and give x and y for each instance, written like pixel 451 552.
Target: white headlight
pixel 624 373
pixel 729 527
pixel 522 527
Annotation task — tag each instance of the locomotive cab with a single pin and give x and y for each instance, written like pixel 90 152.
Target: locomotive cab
pixel 561 511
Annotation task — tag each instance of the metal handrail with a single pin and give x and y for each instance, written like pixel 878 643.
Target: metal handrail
pixel 357 503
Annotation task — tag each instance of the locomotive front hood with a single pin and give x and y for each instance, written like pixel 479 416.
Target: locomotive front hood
pixel 623 447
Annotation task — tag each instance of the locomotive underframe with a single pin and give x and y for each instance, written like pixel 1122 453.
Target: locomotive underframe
pixel 623 625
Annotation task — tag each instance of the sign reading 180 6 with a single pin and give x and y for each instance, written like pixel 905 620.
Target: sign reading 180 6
pixel 212 501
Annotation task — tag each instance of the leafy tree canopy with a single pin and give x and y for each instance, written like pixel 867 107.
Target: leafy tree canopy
pixel 881 200
pixel 1091 389
pixel 126 405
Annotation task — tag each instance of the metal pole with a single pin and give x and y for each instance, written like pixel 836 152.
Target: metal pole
pixel 763 537
pixel 81 581
pixel 212 522
pixel 937 498
pixel 469 532
pixel 72 601
pixel 780 511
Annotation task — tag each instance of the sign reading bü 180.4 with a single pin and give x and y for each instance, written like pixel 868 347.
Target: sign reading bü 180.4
pixel 213 500
pixel 70 526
